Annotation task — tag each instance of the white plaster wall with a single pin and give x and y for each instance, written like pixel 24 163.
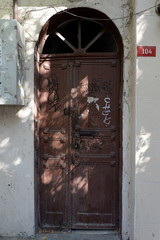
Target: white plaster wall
pixel 16 125
pixel 147 195
pixel 6 9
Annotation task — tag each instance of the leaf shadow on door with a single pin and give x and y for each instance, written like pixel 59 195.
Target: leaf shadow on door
pixel 76 176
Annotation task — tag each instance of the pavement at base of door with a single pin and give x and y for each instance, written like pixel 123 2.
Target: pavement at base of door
pixel 76 235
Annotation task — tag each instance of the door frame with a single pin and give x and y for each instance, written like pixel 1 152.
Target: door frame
pixel 54 21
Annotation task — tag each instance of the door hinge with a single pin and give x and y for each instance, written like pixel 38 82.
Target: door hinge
pixel 77 63
pixel 64 66
pixel 67 111
pixel 117 221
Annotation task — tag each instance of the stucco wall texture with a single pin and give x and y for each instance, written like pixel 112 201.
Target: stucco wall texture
pixel 138 25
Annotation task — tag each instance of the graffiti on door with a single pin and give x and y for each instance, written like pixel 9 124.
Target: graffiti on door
pixel 106 111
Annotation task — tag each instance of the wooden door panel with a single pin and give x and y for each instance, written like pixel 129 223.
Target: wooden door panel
pixel 97 144
pixel 96 153
pixel 53 94
pixel 93 196
pixel 52 199
pixel 54 144
pixel 54 140
pixel 79 144
pixel 98 94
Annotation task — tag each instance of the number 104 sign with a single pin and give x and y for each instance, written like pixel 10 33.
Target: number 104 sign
pixel 146 51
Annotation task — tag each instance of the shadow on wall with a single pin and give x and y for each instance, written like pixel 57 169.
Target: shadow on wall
pixel 17 158
pixel 142 146
pixel 16 124
pixel 143 139
pixel 33 17
pixel 16 171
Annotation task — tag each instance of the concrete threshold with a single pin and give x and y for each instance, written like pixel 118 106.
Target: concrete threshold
pixel 80 235
pixel 74 235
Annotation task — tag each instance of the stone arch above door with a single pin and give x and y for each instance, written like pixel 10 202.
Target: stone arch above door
pixel 77 20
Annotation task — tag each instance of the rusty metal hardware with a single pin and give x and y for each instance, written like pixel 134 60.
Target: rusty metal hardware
pixel 63 165
pixel 77 63
pixel 113 137
pixel 45 156
pixel 113 163
pixel 76 145
pixel 45 139
pixel 77 128
pixel 45 165
pixel 45 130
pixel 63 140
pixel 67 111
pixel 76 141
pixel 76 163
pixel 87 133
pixel 113 154
pixel 77 135
pixel 63 156
pixel 63 130
pixel 64 66
pixel 75 160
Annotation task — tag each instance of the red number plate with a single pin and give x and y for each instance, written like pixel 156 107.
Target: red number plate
pixel 146 51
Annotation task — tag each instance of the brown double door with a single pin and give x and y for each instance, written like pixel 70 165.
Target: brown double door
pixel 79 159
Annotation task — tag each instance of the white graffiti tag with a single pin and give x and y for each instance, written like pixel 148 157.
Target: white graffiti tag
pixel 106 111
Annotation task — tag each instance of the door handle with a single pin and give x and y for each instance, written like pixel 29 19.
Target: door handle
pixel 87 133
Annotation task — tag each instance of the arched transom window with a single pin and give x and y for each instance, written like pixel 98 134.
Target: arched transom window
pixel 80 36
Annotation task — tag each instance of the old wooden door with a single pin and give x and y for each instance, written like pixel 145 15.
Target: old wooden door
pixel 79 143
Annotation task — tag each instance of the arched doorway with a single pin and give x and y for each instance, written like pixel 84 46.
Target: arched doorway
pixel 79 122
